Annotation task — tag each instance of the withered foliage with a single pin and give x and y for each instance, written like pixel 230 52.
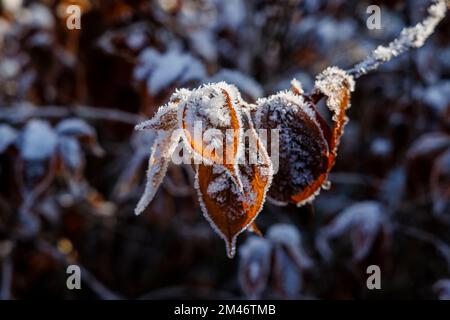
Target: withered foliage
pixel 73 171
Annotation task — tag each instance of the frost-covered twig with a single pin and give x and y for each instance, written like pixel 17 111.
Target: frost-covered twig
pixel 412 37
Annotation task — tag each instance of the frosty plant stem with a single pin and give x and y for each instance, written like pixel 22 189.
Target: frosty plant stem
pixel 232 193
pixel 412 37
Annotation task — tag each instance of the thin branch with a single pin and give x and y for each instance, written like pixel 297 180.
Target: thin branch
pixel 412 37
pixel 19 114
pixel 86 275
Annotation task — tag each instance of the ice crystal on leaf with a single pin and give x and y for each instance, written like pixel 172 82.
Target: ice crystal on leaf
pixel 232 191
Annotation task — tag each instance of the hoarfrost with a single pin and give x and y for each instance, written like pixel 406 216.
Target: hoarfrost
pixel 412 37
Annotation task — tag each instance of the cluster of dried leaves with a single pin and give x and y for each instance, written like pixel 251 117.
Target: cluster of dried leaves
pixel 64 199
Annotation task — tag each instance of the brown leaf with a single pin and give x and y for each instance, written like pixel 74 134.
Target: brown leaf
pixel 303 148
pixel 229 209
pixel 159 160
pixel 214 107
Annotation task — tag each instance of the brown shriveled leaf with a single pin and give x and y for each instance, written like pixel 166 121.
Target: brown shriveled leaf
pixel 303 149
pixel 211 121
pixel 307 146
pixel 164 119
pixel 229 209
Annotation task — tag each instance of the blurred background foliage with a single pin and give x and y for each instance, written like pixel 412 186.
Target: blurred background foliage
pixel 72 169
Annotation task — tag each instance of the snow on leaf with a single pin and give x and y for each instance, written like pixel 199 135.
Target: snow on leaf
pixel 303 146
pixel 81 130
pixel 231 210
pixel 288 237
pixel 163 70
pixel 214 108
pixel 71 154
pixel 254 266
pixel 8 136
pixel 38 141
pixel 428 146
pixel 162 150
pixel 363 221
pixel 287 280
pixel 164 119
pixel 336 85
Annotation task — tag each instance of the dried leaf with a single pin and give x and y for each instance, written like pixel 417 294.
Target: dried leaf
pixel 363 221
pixel 207 118
pixel 80 129
pixel 162 150
pixel 230 210
pixel 303 147
pixel 164 119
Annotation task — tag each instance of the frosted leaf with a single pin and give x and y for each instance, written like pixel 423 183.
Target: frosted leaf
pixel 303 146
pixel 230 209
pixel 71 154
pixel 428 145
pixel 254 266
pixel 80 129
pixel 164 119
pixel 288 237
pixel 335 84
pixel 38 141
pixel 438 96
pixel 213 107
pixel 162 150
pixel 363 221
pixel 287 280
pixel 75 127
pixel 203 43
pixel 8 136
pixel 284 234
pixel 247 85
pixel 164 70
